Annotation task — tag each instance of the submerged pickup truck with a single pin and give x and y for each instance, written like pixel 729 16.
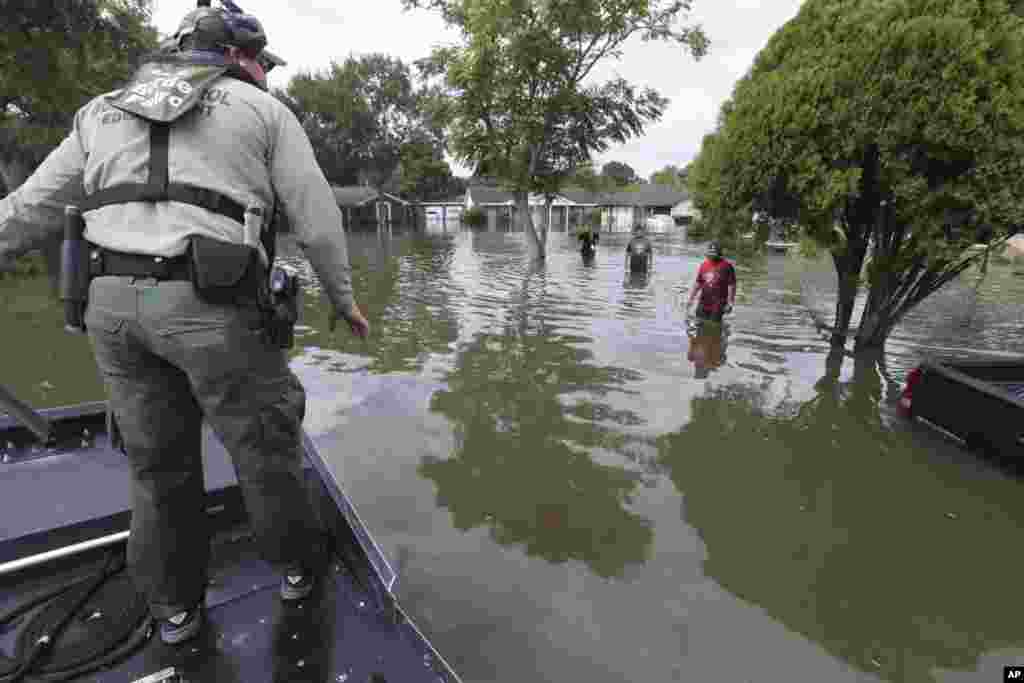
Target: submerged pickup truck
pixel 978 402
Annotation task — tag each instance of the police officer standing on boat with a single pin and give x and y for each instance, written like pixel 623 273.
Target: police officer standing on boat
pixel 176 175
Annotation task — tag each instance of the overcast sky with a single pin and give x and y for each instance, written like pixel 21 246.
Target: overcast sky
pixel 308 34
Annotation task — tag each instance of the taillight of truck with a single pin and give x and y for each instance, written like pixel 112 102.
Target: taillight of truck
pixel 907 397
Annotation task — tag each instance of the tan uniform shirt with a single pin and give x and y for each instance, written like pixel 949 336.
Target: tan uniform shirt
pixel 239 141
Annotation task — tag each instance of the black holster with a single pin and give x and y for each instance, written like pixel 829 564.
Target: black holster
pixel 279 300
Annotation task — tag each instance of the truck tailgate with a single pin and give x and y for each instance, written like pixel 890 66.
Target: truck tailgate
pixel 981 403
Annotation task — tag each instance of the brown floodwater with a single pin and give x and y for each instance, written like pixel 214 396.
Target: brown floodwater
pixel 575 486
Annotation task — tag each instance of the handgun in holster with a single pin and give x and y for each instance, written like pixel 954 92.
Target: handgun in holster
pixel 278 293
pixel 281 307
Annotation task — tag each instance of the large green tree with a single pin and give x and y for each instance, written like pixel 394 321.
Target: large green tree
pixel 54 57
pixel 520 103
pixel 423 173
pixel 670 176
pixel 621 173
pixel 359 114
pixel 891 132
pixel 585 177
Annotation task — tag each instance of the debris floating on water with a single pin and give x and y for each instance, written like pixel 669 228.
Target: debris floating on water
pixel 951 515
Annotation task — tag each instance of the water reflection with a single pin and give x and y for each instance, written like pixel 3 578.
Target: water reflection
pixel 708 342
pixel 522 464
pixel 43 365
pixel 847 532
pixel 403 285
pixel 636 280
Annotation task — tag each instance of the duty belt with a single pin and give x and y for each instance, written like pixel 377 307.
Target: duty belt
pixel 106 262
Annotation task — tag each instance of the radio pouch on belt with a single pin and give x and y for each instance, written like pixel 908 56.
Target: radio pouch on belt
pixel 219 270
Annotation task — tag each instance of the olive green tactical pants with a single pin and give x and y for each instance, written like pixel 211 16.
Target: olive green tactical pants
pixel 169 360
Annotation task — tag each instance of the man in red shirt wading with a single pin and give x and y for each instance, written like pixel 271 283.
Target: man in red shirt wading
pixel 716 283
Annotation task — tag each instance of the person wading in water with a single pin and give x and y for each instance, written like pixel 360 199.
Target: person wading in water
pixel 588 242
pixel 716 284
pixel 639 252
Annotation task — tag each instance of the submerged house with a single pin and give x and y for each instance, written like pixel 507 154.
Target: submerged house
pixel 443 209
pixel 435 216
pixel 565 211
pixel 582 202
pixel 366 205
pixel 621 211
pixel 685 212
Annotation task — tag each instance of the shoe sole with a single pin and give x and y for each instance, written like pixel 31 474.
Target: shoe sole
pixel 182 633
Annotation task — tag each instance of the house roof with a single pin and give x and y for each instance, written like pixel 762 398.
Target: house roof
pixel 582 197
pixel 648 195
pixel 353 196
pixel 483 194
pixel 452 201
pixel 395 197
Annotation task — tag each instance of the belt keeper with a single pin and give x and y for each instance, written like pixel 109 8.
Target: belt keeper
pixel 95 263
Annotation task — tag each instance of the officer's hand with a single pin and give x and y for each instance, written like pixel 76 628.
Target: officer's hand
pixel 355 319
pixel 359 325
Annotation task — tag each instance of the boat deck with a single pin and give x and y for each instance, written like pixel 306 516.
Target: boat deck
pixel 1015 389
pixel 78 492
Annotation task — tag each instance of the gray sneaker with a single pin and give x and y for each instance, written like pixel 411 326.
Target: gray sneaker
pixel 181 627
pixel 296 584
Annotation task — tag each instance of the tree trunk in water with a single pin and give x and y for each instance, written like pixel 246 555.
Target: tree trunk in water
pixel 847 273
pixel 525 221
pixel 547 224
pixel 876 320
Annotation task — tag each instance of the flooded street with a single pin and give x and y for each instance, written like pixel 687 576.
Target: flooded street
pixel 573 488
